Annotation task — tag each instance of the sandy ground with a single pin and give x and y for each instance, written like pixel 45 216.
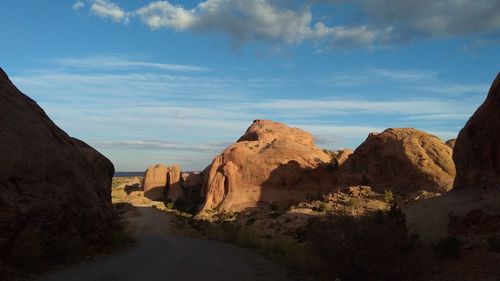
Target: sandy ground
pixel 160 254
pixel 429 218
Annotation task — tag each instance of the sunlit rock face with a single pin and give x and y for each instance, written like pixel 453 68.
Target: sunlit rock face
pixel 271 162
pixel 163 183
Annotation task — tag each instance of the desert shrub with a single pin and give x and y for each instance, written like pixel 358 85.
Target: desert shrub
pixel 388 196
pixel 447 248
pixel 169 205
pixel 493 244
pixel 332 153
pixel 333 163
pixel 353 202
pixel 322 206
pixel 372 247
pixel 224 216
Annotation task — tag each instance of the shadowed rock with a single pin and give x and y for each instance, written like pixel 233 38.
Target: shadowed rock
pixel 405 160
pixel 477 149
pixel 55 190
pixel 451 143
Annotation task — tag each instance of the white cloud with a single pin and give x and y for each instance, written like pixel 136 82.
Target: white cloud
pixel 383 21
pixel 123 62
pixel 414 80
pixel 78 5
pixel 435 18
pixel 308 107
pixel 107 9
pixel 162 145
pixel 246 21
pixel 408 75
pixel 163 14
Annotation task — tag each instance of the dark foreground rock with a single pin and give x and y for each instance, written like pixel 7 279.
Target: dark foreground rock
pixel 477 148
pixel 54 189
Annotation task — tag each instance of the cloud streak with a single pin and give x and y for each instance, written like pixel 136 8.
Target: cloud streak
pixel 114 62
pixel 191 116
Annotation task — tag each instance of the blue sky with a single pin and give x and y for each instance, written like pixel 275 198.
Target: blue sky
pixel 175 82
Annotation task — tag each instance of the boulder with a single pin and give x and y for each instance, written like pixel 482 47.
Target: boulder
pixel 477 149
pixel 174 187
pixel 55 190
pixel 271 162
pixel 155 182
pixel 404 160
pixel 162 182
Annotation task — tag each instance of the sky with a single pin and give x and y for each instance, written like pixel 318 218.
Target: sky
pixel 148 82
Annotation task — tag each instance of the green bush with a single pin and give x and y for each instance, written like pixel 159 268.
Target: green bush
pixel 353 202
pixel 388 196
pixel 323 207
pixel 169 205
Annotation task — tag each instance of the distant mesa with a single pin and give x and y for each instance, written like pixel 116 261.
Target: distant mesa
pixel 271 162
pixel 405 160
pixel 55 190
pixel 477 148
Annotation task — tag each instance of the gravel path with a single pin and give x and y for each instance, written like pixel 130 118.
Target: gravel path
pixel 162 255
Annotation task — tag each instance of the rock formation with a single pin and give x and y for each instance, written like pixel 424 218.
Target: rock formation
pixel 477 149
pixel 270 162
pixel 404 160
pixel 161 182
pixel 174 187
pixel 55 190
pixel 155 182
pixel 451 143
pixel 192 180
pixel 342 156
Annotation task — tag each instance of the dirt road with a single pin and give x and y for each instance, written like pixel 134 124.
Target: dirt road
pixel 162 255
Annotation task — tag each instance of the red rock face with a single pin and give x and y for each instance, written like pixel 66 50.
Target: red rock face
pixel 404 160
pixel 55 191
pixel 271 162
pixel 155 182
pixel 162 182
pixel 477 148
